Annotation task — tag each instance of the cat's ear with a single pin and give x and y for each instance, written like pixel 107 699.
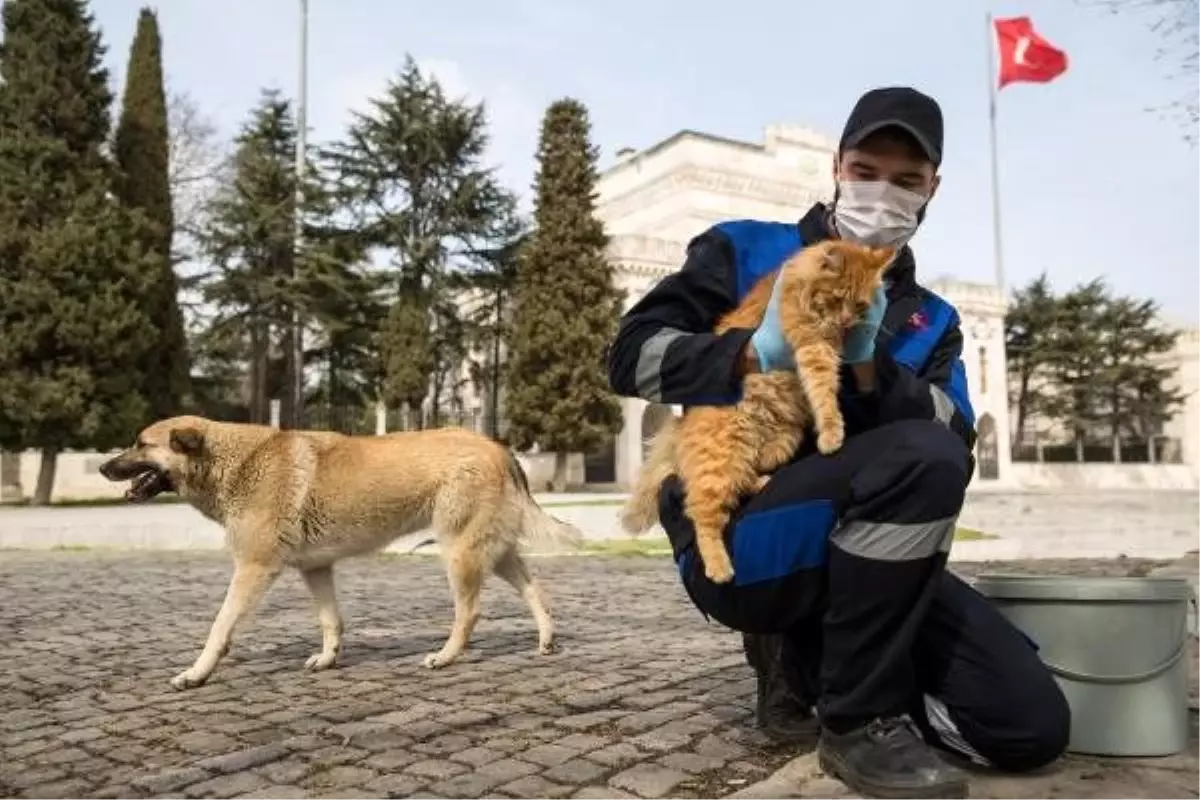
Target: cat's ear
pixel 833 261
pixel 883 257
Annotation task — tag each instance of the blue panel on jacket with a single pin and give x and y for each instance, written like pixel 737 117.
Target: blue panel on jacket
pixel 779 541
pixel 912 344
pixel 759 248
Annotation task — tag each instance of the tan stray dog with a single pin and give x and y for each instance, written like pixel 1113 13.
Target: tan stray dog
pixel 306 499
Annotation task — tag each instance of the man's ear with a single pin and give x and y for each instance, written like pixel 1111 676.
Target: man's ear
pixel 186 440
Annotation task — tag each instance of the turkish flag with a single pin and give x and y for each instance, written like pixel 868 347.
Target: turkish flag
pixel 1024 55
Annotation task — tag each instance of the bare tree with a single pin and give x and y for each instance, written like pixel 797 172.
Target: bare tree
pixel 197 159
pixel 198 165
pixel 1177 23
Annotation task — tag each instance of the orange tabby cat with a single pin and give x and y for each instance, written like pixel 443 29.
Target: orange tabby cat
pixel 722 453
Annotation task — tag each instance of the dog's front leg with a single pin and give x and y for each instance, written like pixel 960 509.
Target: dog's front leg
pixel 320 583
pixel 250 582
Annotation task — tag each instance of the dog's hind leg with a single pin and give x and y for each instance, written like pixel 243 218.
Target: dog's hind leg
pixel 512 568
pixel 465 572
pixel 320 582
pixel 250 582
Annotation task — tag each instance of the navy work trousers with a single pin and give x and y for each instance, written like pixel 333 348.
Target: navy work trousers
pixel 844 557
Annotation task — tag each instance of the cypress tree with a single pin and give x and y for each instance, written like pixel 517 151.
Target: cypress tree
pixel 72 264
pixel 566 308
pixel 141 147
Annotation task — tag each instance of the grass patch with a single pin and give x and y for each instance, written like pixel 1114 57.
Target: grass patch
pixel 96 502
pixel 580 503
pixel 641 546
pixel 971 535
pixel 660 546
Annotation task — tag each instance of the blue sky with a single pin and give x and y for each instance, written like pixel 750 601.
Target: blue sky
pixel 1092 184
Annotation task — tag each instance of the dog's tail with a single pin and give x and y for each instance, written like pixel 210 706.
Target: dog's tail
pixel 641 509
pixel 538 527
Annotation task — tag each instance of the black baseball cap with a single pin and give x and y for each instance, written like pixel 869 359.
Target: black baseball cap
pixel 900 107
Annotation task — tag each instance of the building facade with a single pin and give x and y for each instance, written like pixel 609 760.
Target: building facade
pixel 652 202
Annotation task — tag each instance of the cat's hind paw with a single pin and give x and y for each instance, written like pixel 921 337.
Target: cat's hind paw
pixel 830 441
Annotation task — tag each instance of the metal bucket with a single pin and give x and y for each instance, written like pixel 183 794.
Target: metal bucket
pixel 1117 648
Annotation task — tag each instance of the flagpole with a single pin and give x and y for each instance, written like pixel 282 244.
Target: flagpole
pixel 997 239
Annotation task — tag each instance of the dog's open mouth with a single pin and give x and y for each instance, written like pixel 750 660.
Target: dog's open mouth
pixel 148 485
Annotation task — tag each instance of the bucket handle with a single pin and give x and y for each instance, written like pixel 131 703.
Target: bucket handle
pixel 1110 680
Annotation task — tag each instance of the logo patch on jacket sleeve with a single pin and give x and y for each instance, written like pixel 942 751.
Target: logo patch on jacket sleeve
pixel 918 321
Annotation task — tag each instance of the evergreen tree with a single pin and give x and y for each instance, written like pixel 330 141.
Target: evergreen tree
pixel 1135 380
pixel 249 239
pixel 1075 361
pixel 567 308
pixel 73 274
pixel 141 148
pixel 1028 328
pixel 344 307
pixel 491 284
pixel 410 173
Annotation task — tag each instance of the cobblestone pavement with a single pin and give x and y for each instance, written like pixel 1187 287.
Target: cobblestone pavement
pixel 644 699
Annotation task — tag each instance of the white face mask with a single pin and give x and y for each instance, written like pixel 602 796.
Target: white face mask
pixel 876 213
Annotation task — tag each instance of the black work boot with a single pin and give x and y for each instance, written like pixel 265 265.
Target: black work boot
pixel 888 758
pixel 780 711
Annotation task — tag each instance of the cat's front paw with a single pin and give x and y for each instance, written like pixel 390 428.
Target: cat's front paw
pixel 719 570
pixel 831 440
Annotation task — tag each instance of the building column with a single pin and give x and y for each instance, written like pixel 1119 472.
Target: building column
pixel 10 477
pixel 629 441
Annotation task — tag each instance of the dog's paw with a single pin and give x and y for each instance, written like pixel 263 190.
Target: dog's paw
pixel 435 660
pixel 547 648
pixel 830 441
pixel 320 661
pixel 188 680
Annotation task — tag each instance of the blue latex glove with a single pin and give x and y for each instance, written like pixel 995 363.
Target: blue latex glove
pixel 859 345
pixel 769 345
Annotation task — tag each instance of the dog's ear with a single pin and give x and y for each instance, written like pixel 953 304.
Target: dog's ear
pixel 186 440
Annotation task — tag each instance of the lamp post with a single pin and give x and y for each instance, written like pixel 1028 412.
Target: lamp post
pixel 297 388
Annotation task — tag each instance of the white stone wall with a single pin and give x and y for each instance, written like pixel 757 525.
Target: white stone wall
pixel 1186 425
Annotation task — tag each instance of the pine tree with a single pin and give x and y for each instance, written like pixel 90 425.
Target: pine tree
pixel 73 270
pixel 567 308
pixel 344 307
pixel 491 284
pixel 249 239
pixel 410 171
pixel 1075 361
pixel 1135 380
pixel 1028 327
pixel 141 148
